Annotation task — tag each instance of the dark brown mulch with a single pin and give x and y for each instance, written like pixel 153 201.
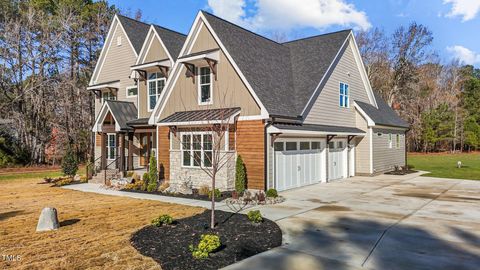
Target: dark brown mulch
pixel 194 195
pixel 401 172
pixel 240 238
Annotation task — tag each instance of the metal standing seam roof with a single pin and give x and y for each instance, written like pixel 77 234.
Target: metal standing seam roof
pixel 201 115
pixel 321 128
pixel 384 115
pixel 123 112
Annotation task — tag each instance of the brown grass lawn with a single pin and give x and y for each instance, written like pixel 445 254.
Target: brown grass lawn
pixel 95 231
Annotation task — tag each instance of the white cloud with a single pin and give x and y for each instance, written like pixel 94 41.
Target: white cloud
pixel 289 14
pixel 464 55
pixel 467 9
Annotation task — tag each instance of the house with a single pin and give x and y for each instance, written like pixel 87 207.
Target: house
pixel 299 112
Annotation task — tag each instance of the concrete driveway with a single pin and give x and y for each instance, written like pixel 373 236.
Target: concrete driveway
pixel 383 222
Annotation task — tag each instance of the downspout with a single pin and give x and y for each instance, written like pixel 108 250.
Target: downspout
pixel 406 151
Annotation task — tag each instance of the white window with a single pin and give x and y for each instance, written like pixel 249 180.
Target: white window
pixel 119 41
pixel 197 149
pixel 155 82
pixel 344 94
pixel 111 147
pixel 398 140
pixel 390 141
pixel 204 86
pixel 108 96
pixel 132 91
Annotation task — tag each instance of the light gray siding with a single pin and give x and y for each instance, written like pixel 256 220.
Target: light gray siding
pixel 326 109
pixel 362 151
pixel 384 157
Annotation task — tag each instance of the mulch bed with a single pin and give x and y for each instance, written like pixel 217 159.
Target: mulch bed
pixel 240 238
pixel 401 172
pixel 194 195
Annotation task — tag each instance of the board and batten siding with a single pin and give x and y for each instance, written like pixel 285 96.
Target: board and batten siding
pixel 362 149
pixel 228 90
pixel 116 66
pixel 385 158
pixel 326 109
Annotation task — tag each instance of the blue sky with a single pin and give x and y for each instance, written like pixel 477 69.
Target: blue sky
pixel 455 23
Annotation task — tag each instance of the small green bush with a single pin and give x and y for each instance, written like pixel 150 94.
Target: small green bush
pixel 216 193
pixel 240 175
pixel 130 174
pixel 208 244
pixel 69 163
pixel 162 220
pixel 255 216
pixel 272 193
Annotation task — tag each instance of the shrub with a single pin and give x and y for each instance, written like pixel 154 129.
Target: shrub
pixel 240 175
pixel 135 177
pixel 208 244
pixel 146 181
pixel 163 186
pixel 137 185
pixel 272 193
pixel 83 179
pixel 261 196
pixel 204 190
pixel 130 174
pixel 162 220
pixel 69 163
pixel 215 193
pixel 152 174
pixel 255 216
pixel 63 182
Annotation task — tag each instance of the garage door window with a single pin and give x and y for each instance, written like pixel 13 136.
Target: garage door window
pixel 304 145
pixel 331 145
pixel 291 146
pixel 340 145
pixel 315 145
pixel 278 146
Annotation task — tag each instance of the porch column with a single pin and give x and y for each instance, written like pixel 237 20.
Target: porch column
pixel 103 148
pixel 130 151
pixel 122 152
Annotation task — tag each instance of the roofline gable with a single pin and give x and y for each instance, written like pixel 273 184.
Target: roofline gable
pixel 331 68
pixel 102 114
pixel 143 52
pixel 200 21
pixel 106 46
pixel 370 122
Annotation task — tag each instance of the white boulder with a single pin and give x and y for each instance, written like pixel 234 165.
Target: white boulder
pixel 48 220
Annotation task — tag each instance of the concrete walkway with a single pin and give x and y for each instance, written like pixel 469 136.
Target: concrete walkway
pixel 96 188
pixel 383 222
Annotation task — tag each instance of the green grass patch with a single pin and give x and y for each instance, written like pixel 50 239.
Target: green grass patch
pixel 39 174
pixel 445 165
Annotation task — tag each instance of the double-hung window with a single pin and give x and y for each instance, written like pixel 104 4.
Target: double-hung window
pixel 390 141
pixel 111 146
pixel 108 96
pixel 344 94
pixel 155 82
pixel 205 86
pixel 197 150
pixel 132 91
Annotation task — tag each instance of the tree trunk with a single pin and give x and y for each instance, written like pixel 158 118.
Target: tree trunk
pixel 212 218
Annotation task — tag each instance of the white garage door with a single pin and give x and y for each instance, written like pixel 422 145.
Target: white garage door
pixel 336 160
pixel 297 163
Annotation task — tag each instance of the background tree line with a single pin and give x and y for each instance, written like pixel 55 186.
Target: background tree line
pixel 49 48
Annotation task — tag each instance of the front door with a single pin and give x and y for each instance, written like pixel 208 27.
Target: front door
pixel 145 148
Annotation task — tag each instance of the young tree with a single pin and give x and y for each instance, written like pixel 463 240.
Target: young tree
pixel 69 163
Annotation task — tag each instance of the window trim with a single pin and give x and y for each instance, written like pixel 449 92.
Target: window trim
pixel 199 86
pixel 108 147
pixel 347 96
pixel 390 140
pixel 156 80
pixel 128 88
pixel 108 92
pixel 397 141
pixel 202 161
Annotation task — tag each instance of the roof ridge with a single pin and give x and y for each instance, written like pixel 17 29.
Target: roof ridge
pixel 316 36
pixel 119 101
pixel 151 24
pixel 168 29
pixel 240 27
pixel 131 19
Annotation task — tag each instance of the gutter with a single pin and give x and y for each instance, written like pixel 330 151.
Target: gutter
pixel 265 159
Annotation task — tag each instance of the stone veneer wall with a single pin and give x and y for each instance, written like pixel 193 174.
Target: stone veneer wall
pixel 197 177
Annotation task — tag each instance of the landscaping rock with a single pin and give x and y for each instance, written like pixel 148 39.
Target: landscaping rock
pixel 76 177
pixel 48 220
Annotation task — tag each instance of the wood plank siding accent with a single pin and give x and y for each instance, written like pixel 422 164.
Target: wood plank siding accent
pixel 251 146
pixel 98 139
pixel 163 152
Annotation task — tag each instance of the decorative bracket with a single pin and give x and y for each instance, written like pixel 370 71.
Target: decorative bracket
pixel 164 71
pixel 213 66
pixel 173 129
pixel 350 138
pixel 274 137
pixel 329 138
pixel 190 71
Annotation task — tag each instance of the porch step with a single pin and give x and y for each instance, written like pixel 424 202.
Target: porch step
pixel 103 175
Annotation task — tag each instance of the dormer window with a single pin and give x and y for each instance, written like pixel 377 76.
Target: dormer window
pixel 155 82
pixel 205 86
pixel 108 96
pixel 344 95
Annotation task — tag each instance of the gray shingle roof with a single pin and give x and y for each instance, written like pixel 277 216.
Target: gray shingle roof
pixel 172 40
pixel 283 76
pixel 123 112
pixel 324 128
pixel 201 115
pixel 384 115
pixel 136 31
pixel 138 122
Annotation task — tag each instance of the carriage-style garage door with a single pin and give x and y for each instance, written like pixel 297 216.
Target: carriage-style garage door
pixel 337 160
pixel 297 163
